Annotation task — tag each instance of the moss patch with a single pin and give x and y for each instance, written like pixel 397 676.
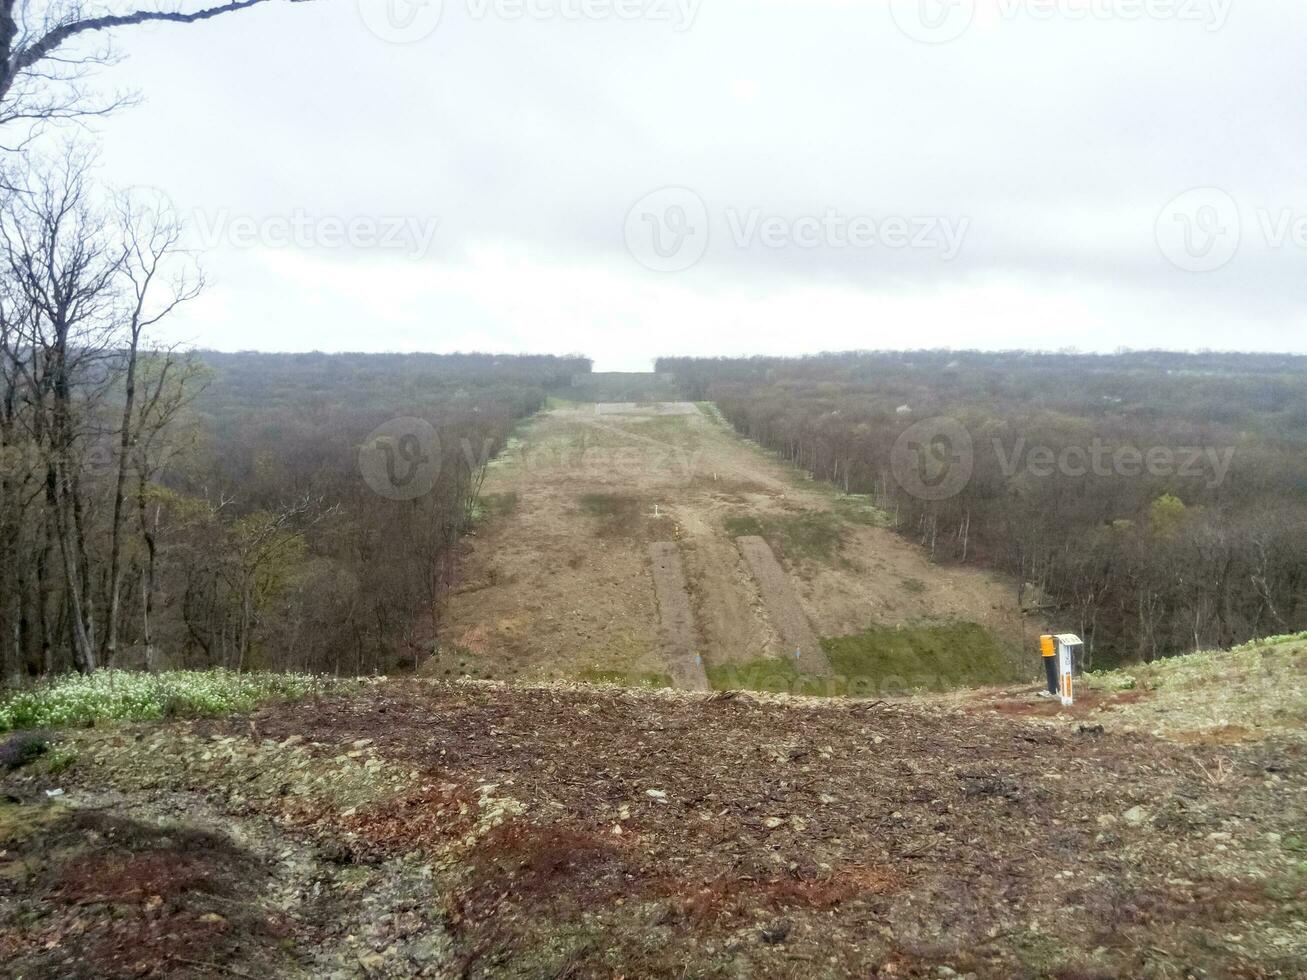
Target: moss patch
pixel 881 661
pixel 738 527
pixel 711 411
pixel 18 823
pixel 617 514
pixel 859 509
pixel 936 657
pixel 608 504
pixel 813 535
pixel 495 505
pixel 669 429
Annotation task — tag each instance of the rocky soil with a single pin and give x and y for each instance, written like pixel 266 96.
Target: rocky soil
pixel 417 828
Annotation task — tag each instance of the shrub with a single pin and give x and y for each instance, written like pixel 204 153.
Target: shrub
pixel 18 750
pixel 1270 641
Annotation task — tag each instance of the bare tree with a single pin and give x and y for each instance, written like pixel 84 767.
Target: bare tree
pixel 19 486
pixel 151 247
pixel 55 255
pixel 170 383
pixel 43 71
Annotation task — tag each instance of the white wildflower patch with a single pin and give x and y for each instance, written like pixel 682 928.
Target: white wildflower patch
pixel 118 695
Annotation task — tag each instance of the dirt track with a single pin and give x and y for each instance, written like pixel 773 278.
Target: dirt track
pixel 783 606
pixel 684 663
pixel 559 583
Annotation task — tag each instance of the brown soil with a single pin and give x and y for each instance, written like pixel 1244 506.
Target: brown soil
pixel 95 895
pixel 783 606
pixel 679 645
pixel 552 589
pixel 675 834
pixel 1087 703
pixel 670 834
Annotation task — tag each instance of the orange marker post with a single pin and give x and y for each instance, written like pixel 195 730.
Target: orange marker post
pixel 1048 650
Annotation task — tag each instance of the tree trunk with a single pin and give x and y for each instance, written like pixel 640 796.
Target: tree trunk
pixel 120 480
pixel 147 572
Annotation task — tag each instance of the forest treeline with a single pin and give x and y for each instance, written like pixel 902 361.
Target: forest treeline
pixel 170 508
pixel 1154 502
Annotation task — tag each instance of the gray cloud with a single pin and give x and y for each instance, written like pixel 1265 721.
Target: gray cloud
pixel 527 140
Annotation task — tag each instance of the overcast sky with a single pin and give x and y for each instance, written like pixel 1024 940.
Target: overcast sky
pixel 627 178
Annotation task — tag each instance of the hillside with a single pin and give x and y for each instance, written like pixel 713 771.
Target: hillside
pixel 647 543
pixel 1153 499
pixel 402 828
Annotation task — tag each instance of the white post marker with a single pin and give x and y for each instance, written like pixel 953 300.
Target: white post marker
pixel 1068 645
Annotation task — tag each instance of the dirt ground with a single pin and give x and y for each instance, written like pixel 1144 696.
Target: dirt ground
pixel 680 645
pixel 187 878
pixel 557 582
pixel 476 830
pixel 783 608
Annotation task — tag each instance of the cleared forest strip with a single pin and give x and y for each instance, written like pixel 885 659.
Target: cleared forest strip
pixel 783 606
pixel 744 467
pixel 562 558
pixel 675 619
pixel 645 408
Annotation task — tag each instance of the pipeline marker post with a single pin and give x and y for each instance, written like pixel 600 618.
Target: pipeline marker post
pixel 1068 645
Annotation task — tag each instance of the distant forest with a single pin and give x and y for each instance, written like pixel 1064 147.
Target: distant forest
pixel 1155 502
pixel 250 510
pixel 249 535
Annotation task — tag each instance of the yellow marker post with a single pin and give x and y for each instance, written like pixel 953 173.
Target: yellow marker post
pixel 1048 650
